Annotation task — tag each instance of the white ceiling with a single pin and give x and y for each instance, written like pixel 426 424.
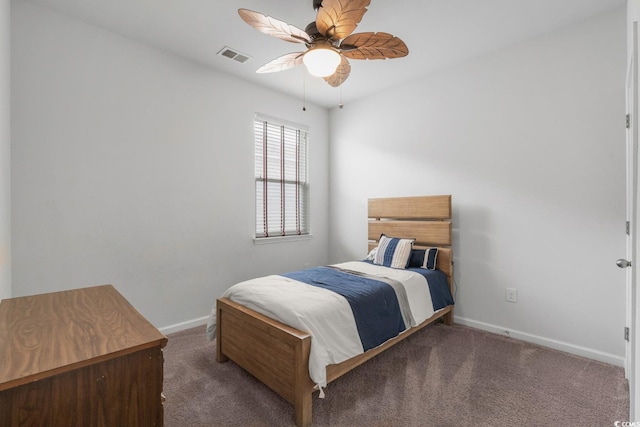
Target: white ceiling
pixel 439 33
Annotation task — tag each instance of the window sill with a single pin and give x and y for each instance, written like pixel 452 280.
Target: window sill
pixel 280 239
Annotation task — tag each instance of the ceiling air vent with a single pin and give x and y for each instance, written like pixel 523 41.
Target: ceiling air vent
pixel 234 54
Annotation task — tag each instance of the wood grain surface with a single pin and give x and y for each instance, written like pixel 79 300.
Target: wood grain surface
pixel 83 357
pixel 46 334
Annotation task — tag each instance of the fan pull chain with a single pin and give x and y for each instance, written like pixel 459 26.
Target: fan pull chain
pixel 340 104
pixel 304 91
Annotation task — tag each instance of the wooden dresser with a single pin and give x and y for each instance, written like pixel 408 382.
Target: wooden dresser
pixel 83 357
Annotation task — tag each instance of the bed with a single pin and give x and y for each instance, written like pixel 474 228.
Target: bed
pixel 281 356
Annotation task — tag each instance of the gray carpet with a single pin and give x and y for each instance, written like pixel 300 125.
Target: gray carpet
pixel 441 376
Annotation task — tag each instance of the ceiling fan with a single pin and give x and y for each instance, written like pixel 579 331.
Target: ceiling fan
pixel 328 39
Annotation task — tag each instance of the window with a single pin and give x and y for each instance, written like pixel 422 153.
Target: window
pixel 282 179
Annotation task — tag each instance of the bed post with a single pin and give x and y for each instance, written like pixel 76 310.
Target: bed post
pixel 220 357
pixel 448 318
pixel 303 385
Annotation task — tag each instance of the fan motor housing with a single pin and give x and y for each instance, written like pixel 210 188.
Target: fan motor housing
pixel 312 30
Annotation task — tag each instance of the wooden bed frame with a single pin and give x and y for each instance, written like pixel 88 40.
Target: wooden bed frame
pixel 278 355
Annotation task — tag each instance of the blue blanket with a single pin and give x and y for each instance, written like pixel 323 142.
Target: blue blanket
pixel 438 287
pixel 374 303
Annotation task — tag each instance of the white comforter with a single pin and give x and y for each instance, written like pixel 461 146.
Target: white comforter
pixel 326 315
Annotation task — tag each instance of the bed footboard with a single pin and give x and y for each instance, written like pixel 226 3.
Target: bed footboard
pixel 274 353
pixel 278 355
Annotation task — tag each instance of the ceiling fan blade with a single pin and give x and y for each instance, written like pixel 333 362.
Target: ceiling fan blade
pixel 282 63
pixel 274 27
pixel 341 74
pixel 373 46
pixel 337 19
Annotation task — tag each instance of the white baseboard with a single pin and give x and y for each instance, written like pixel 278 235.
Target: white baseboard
pixel 611 359
pixel 184 325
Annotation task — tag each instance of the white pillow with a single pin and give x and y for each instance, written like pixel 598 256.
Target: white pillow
pixel 372 255
pixel 393 252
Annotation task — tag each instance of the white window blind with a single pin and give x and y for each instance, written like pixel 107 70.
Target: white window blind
pixel 282 179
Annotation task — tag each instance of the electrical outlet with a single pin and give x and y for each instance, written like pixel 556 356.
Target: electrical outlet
pixel 511 295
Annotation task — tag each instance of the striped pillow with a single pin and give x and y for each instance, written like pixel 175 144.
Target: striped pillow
pixel 393 252
pixel 423 258
pixel 430 257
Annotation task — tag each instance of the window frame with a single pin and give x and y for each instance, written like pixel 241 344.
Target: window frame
pixel 265 233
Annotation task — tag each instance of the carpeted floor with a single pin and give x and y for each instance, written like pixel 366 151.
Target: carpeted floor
pixel 441 376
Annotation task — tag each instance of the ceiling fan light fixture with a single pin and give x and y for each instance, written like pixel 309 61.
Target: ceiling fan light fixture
pixel 321 61
pixel 329 40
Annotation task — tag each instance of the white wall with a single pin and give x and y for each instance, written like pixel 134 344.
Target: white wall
pixel 530 143
pixel 134 167
pixel 5 151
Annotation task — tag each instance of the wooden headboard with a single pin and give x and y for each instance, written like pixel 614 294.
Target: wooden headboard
pixel 426 219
